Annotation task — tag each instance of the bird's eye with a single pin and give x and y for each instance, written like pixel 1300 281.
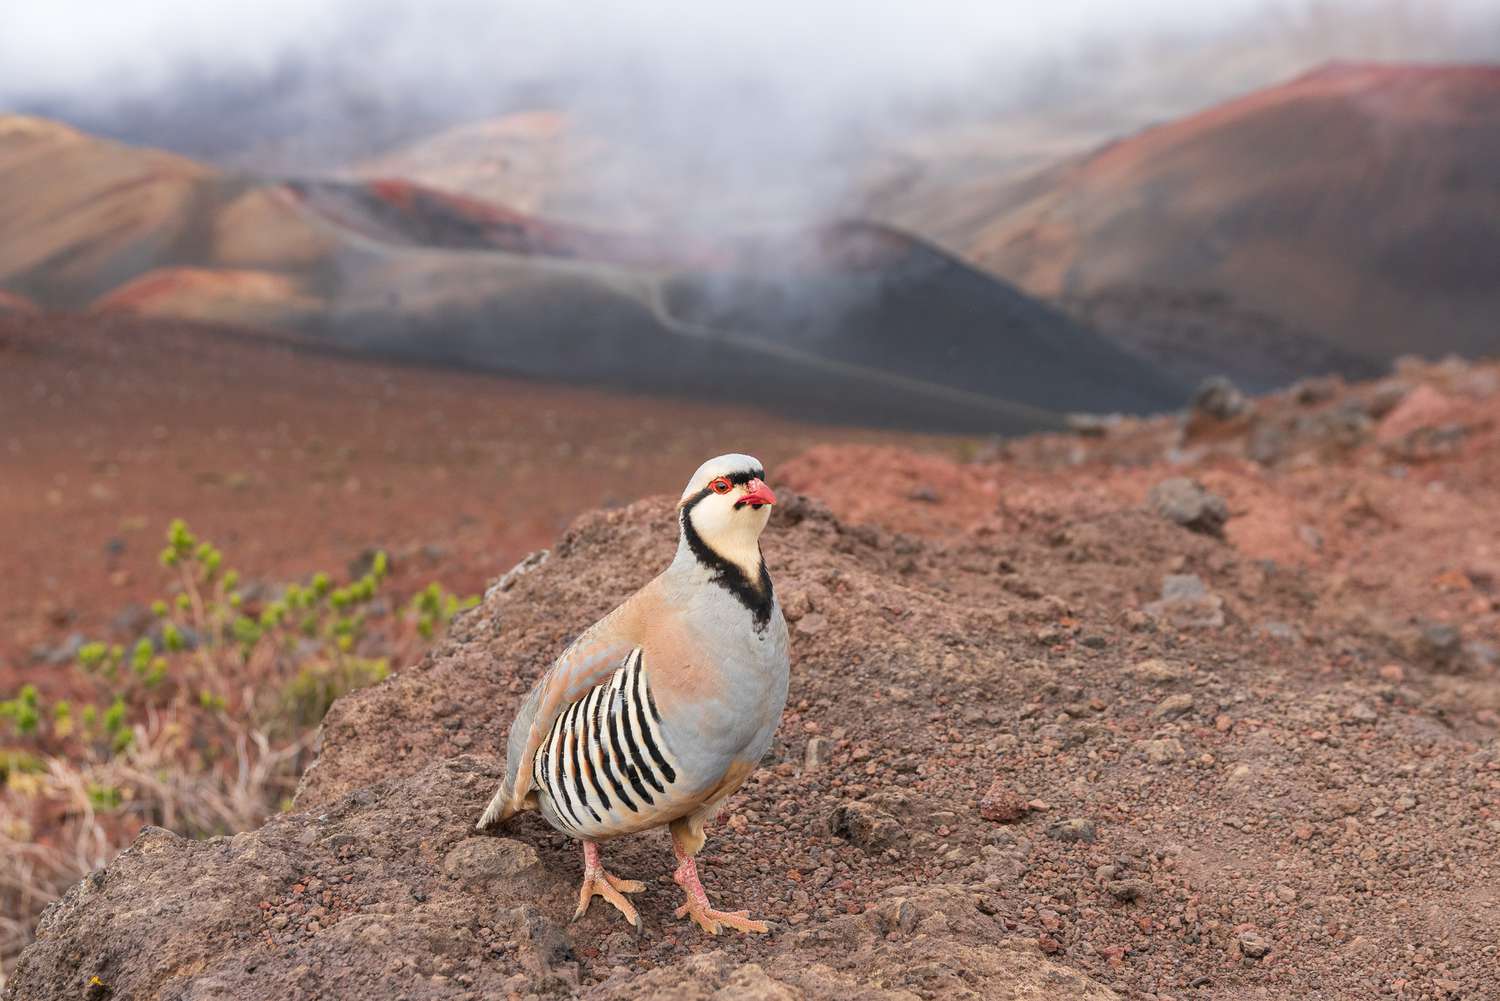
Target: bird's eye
pixel 719 486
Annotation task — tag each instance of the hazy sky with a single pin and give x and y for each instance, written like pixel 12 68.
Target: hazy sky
pixel 822 49
pixel 69 45
pixel 744 88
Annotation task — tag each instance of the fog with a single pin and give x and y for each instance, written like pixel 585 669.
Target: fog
pixel 745 93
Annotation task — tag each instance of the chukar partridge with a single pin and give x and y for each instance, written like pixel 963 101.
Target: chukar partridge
pixel 661 709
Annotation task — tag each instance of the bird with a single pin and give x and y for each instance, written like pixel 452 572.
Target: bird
pixel 658 712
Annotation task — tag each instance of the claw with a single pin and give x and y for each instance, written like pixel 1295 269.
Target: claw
pixel 599 883
pixel 697 907
pixel 711 920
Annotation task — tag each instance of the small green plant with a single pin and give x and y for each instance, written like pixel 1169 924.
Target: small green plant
pixel 433 609
pixel 308 695
pixel 104 798
pixel 22 711
pixel 202 725
pixel 278 662
pixel 18 762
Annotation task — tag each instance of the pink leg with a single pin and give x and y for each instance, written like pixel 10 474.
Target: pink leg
pixel 697 906
pixel 598 882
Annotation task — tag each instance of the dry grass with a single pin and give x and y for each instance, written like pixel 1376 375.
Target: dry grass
pixel 202 736
pixel 58 825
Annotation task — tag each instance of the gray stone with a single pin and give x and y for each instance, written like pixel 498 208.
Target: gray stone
pixel 1163 751
pixel 1218 398
pixel 1183 587
pixel 867 827
pixel 1173 706
pixel 818 753
pixel 1128 889
pixel 1253 944
pixel 1187 604
pixel 1158 670
pixel 1440 645
pixel 1073 829
pixel 1187 503
pixel 483 859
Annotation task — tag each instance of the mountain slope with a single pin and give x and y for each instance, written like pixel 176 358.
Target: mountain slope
pixel 1358 203
pixel 853 322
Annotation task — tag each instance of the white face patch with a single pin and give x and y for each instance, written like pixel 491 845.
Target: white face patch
pixel 731 531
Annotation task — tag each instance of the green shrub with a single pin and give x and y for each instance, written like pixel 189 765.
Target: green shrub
pixel 14 761
pixel 205 728
pixel 306 697
pixel 301 649
pixel 105 799
pixel 23 711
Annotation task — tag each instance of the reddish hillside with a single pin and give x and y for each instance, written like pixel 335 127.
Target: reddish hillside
pixel 1356 203
pixel 850 322
pixel 16 303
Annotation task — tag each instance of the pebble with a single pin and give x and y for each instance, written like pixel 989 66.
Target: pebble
pixel 818 753
pixel 1187 604
pixel 866 826
pixel 1173 706
pixel 485 858
pixel 1158 670
pixel 1002 804
pixel 1253 944
pixel 812 623
pixel 1072 829
pixel 1128 889
pixel 1164 751
pixel 1186 502
pixel 1220 399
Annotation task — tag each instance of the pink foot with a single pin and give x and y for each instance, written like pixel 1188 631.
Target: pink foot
pixel 697 906
pixel 597 882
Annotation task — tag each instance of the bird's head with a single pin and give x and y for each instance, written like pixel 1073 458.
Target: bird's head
pixel 726 504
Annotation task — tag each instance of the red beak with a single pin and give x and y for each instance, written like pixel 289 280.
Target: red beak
pixel 756 494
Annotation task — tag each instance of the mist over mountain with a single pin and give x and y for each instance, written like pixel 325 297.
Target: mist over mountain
pixel 696 127
pixel 777 107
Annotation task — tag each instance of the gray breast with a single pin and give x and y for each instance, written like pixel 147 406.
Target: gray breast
pixel 737 716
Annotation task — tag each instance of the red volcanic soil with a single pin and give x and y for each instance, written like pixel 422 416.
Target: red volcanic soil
pixel 16 303
pixel 294 461
pixel 1351 203
pixel 429 216
pixel 211 295
pixel 1386 490
pixel 401 211
pixel 1007 767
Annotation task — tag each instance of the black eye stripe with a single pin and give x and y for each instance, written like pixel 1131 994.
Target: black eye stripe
pixel 738 478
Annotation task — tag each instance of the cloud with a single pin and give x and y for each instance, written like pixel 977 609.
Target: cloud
pixel 743 90
pixel 834 52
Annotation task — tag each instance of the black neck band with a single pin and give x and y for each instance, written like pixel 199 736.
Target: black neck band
pixel 755 595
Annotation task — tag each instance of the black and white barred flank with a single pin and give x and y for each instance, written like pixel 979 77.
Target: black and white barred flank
pixel 604 762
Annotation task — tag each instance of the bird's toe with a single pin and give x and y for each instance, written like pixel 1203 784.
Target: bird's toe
pixel 611 889
pixel 625 885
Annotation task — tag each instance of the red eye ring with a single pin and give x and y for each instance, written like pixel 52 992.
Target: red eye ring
pixel 720 486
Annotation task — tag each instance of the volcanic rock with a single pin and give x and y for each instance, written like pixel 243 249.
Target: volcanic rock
pixel 1186 502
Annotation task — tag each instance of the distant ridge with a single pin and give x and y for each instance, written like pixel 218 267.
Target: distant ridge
pixel 1356 206
pixel 852 321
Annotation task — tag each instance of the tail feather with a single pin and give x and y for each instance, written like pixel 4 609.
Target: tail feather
pixel 500 808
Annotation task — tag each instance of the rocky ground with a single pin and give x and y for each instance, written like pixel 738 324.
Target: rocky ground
pixel 1191 708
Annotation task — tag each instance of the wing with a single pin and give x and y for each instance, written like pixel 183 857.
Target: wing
pixel 588 662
